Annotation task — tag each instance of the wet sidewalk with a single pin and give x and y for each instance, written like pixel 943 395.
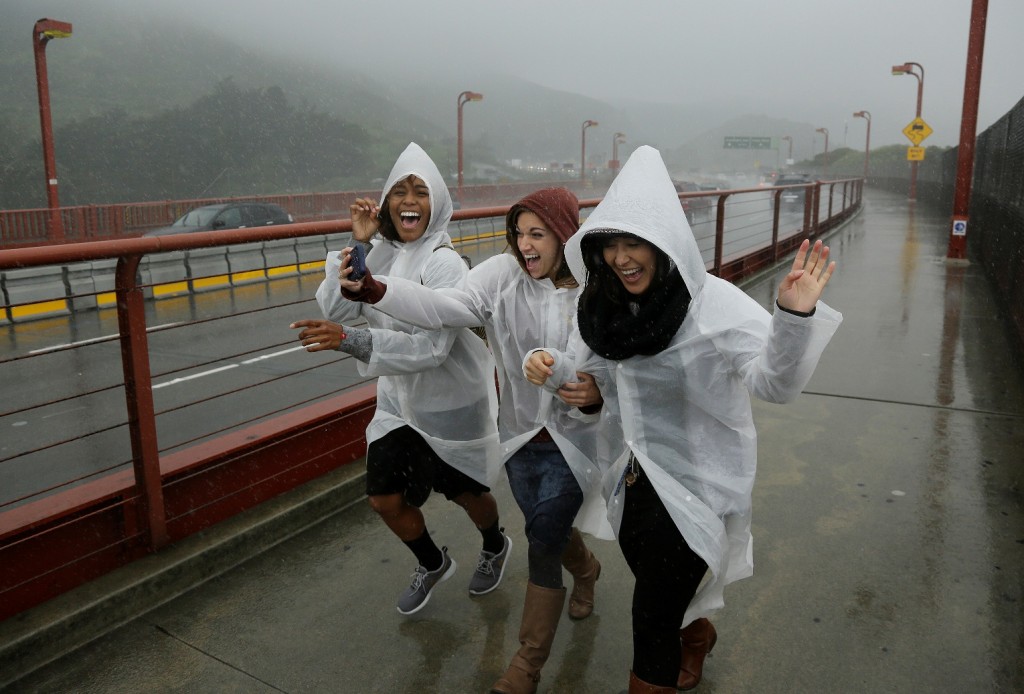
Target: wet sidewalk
pixel 888 527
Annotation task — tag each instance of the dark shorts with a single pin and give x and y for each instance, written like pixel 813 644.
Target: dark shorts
pixel 403 463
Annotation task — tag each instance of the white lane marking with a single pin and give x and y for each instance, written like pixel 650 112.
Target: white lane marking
pixel 273 354
pixel 80 343
pixel 62 413
pixel 198 375
pixel 229 366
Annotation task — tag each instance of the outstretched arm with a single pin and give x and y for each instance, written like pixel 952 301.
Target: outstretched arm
pixel 319 335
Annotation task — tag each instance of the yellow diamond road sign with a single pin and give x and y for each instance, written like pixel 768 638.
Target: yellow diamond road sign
pixel 917 130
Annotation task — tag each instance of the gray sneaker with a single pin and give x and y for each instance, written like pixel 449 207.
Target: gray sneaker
pixel 417 594
pixel 489 570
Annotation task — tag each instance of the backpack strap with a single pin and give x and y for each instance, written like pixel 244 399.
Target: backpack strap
pixel 477 330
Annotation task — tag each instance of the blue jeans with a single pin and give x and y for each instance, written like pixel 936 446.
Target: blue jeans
pixel 548 495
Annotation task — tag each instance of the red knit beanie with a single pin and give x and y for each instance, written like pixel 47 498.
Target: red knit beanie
pixel 558 208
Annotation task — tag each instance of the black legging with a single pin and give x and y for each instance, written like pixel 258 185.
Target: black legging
pixel 667 574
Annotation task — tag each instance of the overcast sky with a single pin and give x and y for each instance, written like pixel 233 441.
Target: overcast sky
pixel 808 61
pixel 813 61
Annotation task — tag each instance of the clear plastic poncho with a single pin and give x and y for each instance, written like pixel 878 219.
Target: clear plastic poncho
pixel 439 382
pixel 518 312
pixel 685 412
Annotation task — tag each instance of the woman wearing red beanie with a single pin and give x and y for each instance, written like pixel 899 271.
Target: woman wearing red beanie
pixel 548 437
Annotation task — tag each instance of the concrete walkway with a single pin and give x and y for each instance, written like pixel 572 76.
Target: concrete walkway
pixel 888 525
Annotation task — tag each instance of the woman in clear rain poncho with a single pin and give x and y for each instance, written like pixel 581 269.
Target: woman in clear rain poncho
pixel 677 354
pixel 434 427
pixel 524 298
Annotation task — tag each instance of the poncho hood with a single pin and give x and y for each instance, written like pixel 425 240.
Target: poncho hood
pixel 642 201
pixel 416 162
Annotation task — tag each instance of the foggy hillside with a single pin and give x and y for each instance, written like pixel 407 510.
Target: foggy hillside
pixel 143 62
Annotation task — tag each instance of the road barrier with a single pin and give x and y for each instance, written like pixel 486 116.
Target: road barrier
pixel 71 532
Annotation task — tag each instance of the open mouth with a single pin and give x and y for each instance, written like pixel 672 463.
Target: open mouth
pixel 631 275
pixel 532 261
pixel 409 219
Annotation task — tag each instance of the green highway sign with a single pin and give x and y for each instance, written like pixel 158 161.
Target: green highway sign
pixel 746 142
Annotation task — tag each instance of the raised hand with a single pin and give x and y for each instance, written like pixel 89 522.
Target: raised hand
pixel 802 287
pixel 364 219
pixel 344 271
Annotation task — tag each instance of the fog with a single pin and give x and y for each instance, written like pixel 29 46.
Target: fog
pixel 804 60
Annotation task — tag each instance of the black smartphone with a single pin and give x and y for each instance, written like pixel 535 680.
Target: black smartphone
pixel 357 261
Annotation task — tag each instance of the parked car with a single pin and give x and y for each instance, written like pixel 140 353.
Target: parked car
pixel 228 215
pixel 694 207
pixel 793 196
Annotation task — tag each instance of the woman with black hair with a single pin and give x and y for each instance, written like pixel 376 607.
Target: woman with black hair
pixel 677 354
pixel 434 427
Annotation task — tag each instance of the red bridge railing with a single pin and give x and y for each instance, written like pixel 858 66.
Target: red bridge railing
pixel 56 538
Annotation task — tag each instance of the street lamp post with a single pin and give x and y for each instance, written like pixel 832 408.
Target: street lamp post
pixel 42 32
pixel 583 150
pixel 617 139
pixel 866 115
pixel 464 98
pixel 908 69
pixel 824 173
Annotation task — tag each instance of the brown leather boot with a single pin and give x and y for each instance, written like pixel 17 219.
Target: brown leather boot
pixel 696 641
pixel 638 686
pixel 541 612
pixel 585 570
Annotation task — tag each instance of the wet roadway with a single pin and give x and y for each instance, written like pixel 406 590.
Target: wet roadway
pixel 888 526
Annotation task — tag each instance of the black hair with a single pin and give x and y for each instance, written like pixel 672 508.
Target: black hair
pixel 601 278
pixel 387 225
pixel 617 324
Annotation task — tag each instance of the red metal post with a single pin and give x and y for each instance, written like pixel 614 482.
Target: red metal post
pixel 616 139
pixel 908 69
pixel 866 115
pixel 138 387
pixel 968 125
pixel 583 150
pixel 824 173
pixel 464 97
pixel 42 32
pixel 920 95
pixel 719 236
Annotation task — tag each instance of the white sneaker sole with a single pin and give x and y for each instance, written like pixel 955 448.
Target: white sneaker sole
pixel 501 574
pixel 447 574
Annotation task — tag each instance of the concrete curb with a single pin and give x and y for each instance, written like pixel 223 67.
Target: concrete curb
pixel 43 634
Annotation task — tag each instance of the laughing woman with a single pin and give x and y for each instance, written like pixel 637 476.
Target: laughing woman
pixel 678 354
pixel 548 438
pixel 434 427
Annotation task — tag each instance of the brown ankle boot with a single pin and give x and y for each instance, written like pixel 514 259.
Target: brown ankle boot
pixel 541 612
pixel 696 641
pixel 638 686
pixel 585 570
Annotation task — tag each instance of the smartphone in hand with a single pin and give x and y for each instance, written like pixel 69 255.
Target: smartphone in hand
pixel 357 262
